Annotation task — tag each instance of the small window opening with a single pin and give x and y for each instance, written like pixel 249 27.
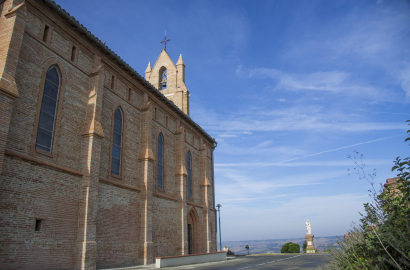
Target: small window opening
pixel 45 35
pixel 155 113
pixel 38 225
pixel 112 81
pixel 163 79
pixel 73 52
pixel 129 94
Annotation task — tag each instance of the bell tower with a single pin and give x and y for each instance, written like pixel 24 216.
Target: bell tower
pixel 169 79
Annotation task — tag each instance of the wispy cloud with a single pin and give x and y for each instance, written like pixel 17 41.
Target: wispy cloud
pixel 343 163
pixel 405 81
pixel 264 144
pixel 335 81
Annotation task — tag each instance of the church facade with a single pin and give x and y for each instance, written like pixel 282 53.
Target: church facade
pixel 99 167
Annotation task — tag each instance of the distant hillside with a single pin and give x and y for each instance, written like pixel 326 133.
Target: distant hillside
pixel 274 245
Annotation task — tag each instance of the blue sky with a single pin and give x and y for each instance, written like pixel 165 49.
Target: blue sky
pixel 289 89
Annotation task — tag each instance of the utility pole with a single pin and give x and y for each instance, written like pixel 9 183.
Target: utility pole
pixel 220 239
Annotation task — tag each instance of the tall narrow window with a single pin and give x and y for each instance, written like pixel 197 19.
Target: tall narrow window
pixel 117 143
pixel 45 34
pixel 160 165
pixel 48 110
pixel 112 81
pixel 189 170
pixel 73 52
pixel 38 225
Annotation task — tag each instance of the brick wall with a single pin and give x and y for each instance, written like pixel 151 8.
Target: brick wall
pixel 118 222
pixel 89 217
pixel 31 192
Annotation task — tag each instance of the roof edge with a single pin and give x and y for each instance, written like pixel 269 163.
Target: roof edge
pixel 82 30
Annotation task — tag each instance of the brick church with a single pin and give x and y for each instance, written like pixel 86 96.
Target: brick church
pixel 99 167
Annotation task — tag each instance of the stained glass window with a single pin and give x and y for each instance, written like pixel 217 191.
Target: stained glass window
pixel 48 111
pixel 117 143
pixel 189 170
pixel 160 165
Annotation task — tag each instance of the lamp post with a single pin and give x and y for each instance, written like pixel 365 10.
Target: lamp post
pixel 220 242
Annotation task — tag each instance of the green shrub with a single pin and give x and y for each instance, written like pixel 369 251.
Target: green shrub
pixel 382 238
pixel 290 248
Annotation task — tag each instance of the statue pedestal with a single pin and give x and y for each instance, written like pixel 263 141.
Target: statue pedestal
pixel 310 248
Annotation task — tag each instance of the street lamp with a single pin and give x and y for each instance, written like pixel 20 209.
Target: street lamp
pixel 220 242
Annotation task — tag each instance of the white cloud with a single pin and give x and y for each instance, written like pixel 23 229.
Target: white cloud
pixel 405 81
pixel 323 81
pixel 282 100
pixel 238 70
pixel 335 81
pixel 264 144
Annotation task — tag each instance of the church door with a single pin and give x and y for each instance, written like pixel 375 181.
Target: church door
pixel 189 239
pixel 193 231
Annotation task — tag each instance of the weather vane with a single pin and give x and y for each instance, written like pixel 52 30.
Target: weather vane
pixel 165 41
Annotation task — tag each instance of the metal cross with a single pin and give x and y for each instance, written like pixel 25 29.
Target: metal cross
pixel 165 41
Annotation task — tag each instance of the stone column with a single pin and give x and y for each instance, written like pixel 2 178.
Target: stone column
pixel 310 248
pixel 181 181
pixel 12 23
pixel 205 197
pixel 92 134
pixel 147 159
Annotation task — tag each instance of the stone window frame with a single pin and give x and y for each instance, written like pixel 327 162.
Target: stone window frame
pixel 123 133
pixel 58 116
pixel 163 162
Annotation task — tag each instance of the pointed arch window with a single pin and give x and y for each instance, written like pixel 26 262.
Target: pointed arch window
pixel 189 171
pixel 163 78
pixel 46 123
pixel 117 143
pixel 160 160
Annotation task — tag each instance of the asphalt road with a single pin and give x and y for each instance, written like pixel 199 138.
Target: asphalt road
pixel 279 262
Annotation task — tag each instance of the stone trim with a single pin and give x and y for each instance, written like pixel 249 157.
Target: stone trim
pixel 194 204
pixel 118 184
pixel 163 196
pixel 12 153
pixel 190 255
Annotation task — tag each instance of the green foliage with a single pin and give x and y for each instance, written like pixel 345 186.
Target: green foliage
pixel 247 247
pixel 290 248
pixel 304 247
pixel 382 239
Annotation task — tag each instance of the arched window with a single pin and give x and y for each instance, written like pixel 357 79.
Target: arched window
pixel 189 170
pixel 163 78
pixel 160 165
pixel 117 143
pixel 48 111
